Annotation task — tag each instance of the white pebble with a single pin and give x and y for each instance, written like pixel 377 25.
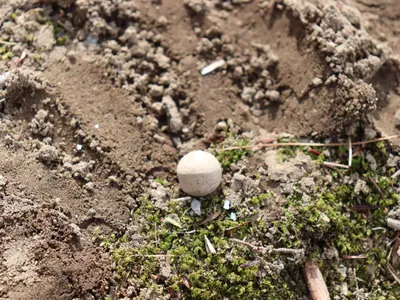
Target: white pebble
pixel 199 173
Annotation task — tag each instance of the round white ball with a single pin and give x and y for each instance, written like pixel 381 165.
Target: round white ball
pixel 199 173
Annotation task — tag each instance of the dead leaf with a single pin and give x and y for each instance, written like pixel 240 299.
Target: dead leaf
pixel 211 217
pixel 209 247
pixel 173 222
pixel 186 282
pixel 315 282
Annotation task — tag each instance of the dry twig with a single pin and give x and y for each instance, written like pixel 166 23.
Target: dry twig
pixel 274 145
pixel 270 249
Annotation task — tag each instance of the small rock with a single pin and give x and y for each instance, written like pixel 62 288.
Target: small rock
pixel 156 91
pixel 222 125
pixel 393 223
pixel 248 94
pixel 175 121
pixel 397 119
pixel 159 138
pixel 89 187
pixel 317 81
pixel 3 181
pixel 157 108
pixel 273 96
pixel 48 154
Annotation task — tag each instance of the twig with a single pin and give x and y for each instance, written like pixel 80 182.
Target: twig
pixel 332 164
pixel 396 174
pixel 309 144
pixel 234 227
pixel 390 268
pixel 377 187
pixel 182 199
pixel 7 43
pixel 315 282
pixel 153 255
pixel 361 256
pixel 270 249
pixel 334 168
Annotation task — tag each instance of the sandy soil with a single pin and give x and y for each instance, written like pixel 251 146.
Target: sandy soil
pixel 83 132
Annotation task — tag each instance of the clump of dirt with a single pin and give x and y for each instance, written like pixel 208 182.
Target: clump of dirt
pixel 99 99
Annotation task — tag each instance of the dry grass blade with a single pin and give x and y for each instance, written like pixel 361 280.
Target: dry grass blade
pixel 377 187
pixel 7 43
pixel 348 257
pixel 395 256
pixel 186 282
pixel 274 145
pixel 211 218
pixel 332 164
pixel 350 152
pixel 315 282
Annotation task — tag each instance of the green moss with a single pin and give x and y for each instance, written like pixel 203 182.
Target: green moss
pixel 330 219
pixel 36 57
pixel 13 17
pixel 229 157
pixel 62 40
pixel 327 218
pixel 210 275
pixel 161 181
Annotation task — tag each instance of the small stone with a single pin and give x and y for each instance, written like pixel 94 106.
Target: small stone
pixel 317 81
pixel 393 223
pixel 222 125
pixel 248 94
pixel 163 21
pixel 156 91
pixel 89 187
pixel 3 181
pixel 175 121
pixel 157 108
pixel 159 138
pixel 48 154
pixel 199 173
pixel 91 213
pixel 273 96
pixel 397 119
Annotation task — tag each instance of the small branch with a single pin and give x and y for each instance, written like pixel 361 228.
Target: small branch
pixel 332 164
pixel 361 256
pixel 309 144
pixel 270 249
pixel 315 282
pixel 7 43
pixel 334 168
pixel 396 174
pixel 153 255
pixel 377 187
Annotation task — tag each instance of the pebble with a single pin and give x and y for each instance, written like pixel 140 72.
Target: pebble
pixel 393 223
pixel 273 96
pixel 175 121
pixel 199 173
pixel 397 119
